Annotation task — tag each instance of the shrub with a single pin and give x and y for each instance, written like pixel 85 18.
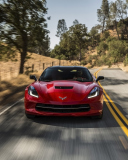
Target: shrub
pixel 99 62
pixel 90 59
pixel 126 60
pixel 109 63
pixel 83 62
pixel 117 50
pixel 110 38
pixel 105 35
pixel 102 48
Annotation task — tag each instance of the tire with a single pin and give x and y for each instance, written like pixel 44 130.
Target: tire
pixel 29 116
pixel 98 117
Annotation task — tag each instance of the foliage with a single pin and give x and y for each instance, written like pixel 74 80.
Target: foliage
pixel 23 25
pixel 117 50
pixel 126 60
pixel 75 22
pixel 94 36
pixel 90 58
pixel 72 42
pixel 61 27
pixel 78 33
pixel 7 53
pixel 84 62
pixel 102 48
pixel 103 13
pixel 110 38
pixel 105 35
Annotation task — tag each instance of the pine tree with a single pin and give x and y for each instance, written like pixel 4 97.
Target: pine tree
pixel 61 27
pixel 103 13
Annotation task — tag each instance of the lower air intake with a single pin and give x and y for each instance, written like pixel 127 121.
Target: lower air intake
pixel 63 87
pixel 62 108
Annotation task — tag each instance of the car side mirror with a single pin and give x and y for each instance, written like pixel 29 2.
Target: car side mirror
pixel 33 77
pixel 99 78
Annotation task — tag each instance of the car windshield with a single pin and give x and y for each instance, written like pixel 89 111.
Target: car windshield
pixel 65 73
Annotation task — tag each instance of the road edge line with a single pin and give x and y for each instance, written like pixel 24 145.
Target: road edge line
pixel 10 107
pixel 113 104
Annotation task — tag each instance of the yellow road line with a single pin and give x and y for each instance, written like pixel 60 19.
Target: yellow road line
pixel 112 111
pixel 113 104
pixel 117 110
pixel 116 117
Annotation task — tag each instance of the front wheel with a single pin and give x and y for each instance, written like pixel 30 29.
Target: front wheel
pixel 98 117
pixel 29 116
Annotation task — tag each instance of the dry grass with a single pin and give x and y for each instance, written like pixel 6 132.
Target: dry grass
pixel 9 70
pixel 113 33
pixel 13 85
pixel 11 91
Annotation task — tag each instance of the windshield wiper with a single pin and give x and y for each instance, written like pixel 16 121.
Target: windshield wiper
pixel 79 80
pixel 82 81
pixel 47 80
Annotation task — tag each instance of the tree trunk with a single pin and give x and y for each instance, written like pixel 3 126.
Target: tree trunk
pixel 117 30
pixel 22 61
pixel 23 55
pixel 80 55
pixel 126 31
pixel 103 25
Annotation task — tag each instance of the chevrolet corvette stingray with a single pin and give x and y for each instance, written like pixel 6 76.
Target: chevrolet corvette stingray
pixel 64 91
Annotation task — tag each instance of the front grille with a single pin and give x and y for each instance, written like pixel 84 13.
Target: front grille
pixel 62 108
pixel 63 87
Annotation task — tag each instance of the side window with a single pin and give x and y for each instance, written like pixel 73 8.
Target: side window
pixel 42 75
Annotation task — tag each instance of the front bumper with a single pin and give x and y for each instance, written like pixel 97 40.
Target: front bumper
pixel 96 108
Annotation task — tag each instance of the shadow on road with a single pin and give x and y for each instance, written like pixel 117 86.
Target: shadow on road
pixel 78 122
pixel 113 81
pixel 61 134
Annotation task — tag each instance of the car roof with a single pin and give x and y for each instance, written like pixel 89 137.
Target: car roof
pixel 70 67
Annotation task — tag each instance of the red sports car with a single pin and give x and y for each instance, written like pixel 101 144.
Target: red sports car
pixel 64 91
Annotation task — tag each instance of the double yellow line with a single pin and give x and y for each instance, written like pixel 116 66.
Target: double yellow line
pixel 124 128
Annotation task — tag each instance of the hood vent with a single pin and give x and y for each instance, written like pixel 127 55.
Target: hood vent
pixel 63 87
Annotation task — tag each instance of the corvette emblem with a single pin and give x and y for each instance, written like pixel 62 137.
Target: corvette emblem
pixel 63 98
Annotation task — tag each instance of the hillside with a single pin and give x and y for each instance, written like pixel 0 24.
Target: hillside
pixel 10 69
pixel 12 85
pixel 93 59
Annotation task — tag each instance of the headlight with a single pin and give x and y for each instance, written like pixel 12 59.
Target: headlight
pixel 94 92
pixel 32 92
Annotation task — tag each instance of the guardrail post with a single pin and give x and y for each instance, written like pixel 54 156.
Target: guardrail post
pixel 52 63
pixel 32 67
pixel 0 76
pixel 43 66
pixel 59 62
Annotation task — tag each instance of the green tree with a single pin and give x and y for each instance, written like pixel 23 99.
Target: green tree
pixel 118 50
pixel 78 33
pixel 61 27
pixel 102 48
pixel 103 13
pixel 23 24
pixel 122 15
pixel 114 15
pixel 7 52
pixel 105 35
pixel 94 35
pixel 72 42
pixel 75 22
pixel 68 43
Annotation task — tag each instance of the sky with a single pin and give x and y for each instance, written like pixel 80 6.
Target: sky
pixel 85 11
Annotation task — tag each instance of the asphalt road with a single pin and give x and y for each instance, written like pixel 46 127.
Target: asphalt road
pixel 68 138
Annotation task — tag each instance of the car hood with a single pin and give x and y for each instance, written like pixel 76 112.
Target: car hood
pixel 64 91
